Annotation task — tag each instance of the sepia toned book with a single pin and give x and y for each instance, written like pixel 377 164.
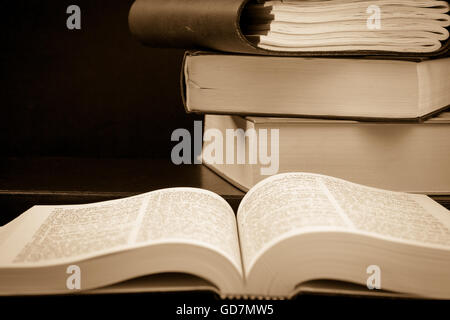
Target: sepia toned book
pixel 315 87
pixel 400 156
pixel 347 25
pixel 293 232
pixel 386 28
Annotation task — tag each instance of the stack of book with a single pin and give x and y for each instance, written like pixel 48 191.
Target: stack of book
pixel 356 89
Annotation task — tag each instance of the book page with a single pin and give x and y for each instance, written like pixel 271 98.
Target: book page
pixel 195 215
pixel 401 25
pixel 57 234
pixel 281 204
pixel 393 215
pixel 75 231
pixel 298 202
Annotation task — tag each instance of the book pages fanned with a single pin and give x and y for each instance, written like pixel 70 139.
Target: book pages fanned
pixel 349 25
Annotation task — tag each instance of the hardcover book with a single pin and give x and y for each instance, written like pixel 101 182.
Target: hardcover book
pixel 401 156
pixel 315 87
pixel 290 27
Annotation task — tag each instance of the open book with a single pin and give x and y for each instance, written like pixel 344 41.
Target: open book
pixel 290 228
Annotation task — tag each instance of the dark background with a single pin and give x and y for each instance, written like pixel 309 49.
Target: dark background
pixel 94 92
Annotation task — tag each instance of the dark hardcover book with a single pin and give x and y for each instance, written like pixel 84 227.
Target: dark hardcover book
pixel 302 28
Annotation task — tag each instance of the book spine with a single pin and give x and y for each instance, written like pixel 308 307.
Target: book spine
pixel 251 297
pixel 190 24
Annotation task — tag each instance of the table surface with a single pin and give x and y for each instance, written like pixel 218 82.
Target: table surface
pixel 26 182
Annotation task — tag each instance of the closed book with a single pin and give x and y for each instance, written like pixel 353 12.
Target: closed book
pixel 318 87
pixel 301 28
pixel 412 157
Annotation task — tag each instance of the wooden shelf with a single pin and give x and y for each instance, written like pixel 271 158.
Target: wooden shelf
pixel 25 182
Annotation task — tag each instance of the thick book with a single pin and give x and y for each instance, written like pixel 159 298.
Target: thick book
pixel 303 28
pixel 314 87
pixel 401 156
pixel 290 229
